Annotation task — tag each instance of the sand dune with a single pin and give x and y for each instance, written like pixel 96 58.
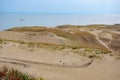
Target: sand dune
pixel 64 52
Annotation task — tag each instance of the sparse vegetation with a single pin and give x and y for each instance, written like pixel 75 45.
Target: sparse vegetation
pixel 91 56
pixel 30 28
pixel 118 58
pixel 67 47
pixel 82 38
pixel 75 47
pixel 63 63
pixel 87 52
pixel 1 41
pixel 21 42
pixel 12 74
pixel 83 43
pixel 1 47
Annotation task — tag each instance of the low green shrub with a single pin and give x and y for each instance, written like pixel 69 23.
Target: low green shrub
pixel 12 74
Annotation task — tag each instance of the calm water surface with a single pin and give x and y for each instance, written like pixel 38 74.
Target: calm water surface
pixel 8 20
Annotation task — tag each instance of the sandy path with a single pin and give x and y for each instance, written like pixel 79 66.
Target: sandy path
pixel 25 62
pixel 97 37
pixel 99 70
pixel 103 43
pixel 42 55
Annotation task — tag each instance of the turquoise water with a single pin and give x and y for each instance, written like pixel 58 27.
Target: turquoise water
pixel 9 20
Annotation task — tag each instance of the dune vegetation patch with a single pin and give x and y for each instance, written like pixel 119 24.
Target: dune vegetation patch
pixel 14 74
pixel 1 41
pixel 77 38
pixel 73 34
pixel 82 51
pixel 30 28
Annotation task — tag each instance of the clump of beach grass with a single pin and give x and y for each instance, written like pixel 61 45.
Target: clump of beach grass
pixel 14 74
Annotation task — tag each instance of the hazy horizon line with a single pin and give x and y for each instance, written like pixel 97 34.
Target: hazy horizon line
pixel 2 12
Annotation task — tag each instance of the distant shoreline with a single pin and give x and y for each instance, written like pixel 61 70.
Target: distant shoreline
pixel 8 20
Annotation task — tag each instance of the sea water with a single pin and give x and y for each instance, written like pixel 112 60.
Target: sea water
pixel 9 20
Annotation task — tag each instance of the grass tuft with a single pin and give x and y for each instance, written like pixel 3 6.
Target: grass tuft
pixel 12 74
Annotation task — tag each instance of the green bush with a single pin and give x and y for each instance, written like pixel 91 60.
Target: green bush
pixel 12 74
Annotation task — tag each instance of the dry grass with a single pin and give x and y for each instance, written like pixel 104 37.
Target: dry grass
pixel 1 41
pixel 81 38
pixel 83 51
pixel 68 26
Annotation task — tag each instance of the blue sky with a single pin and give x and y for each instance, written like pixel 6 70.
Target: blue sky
pixel 61 6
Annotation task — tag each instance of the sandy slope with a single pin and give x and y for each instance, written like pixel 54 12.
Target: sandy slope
pixel 33 37
pixel 42 55
pixel 63 64
pixel 108 38
pixel 96 33
pixel 107 70
pixel 47 64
